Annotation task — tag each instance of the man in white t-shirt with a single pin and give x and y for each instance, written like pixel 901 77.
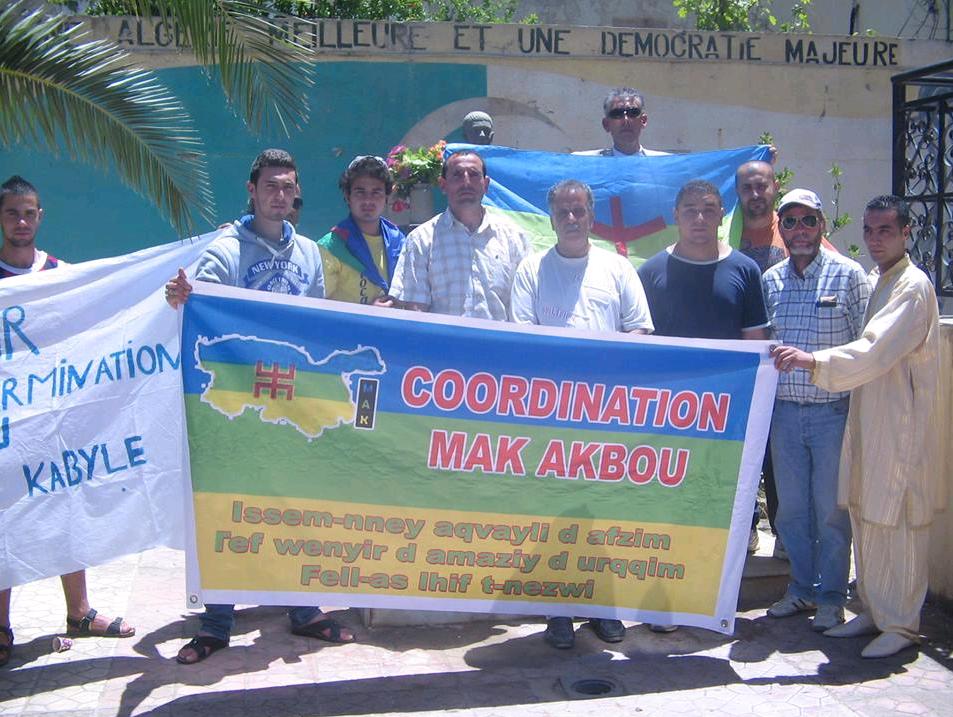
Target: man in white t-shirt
pixel 578 285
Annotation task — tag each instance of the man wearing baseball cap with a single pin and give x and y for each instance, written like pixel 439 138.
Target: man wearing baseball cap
pixel 815 299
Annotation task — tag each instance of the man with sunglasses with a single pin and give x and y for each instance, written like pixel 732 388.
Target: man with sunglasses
pixel 624 118
pixel 816 299
pixel 360 253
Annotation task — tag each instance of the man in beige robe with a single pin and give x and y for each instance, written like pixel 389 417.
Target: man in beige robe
pixel 890 476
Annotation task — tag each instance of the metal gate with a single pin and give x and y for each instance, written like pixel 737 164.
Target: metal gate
pixel 923 166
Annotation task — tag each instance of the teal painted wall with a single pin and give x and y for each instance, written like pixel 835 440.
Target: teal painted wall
pixel 357 108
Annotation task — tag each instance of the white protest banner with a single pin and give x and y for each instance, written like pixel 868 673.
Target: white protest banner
pixel 91 432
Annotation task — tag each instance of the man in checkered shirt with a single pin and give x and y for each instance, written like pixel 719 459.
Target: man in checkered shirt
pixel 461 262
pixel 816 300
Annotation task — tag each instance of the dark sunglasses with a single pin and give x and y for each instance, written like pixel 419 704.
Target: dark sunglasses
pixel 620 112
pixel 808 220
pixel 297 203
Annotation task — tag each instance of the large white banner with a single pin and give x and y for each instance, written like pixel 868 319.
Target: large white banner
pixel 91 433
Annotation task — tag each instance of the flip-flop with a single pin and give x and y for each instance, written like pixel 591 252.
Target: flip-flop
pixel 327 629
pixel 202 646
pixel 6 650
pixel 84 627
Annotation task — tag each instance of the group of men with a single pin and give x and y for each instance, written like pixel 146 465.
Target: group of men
pixel 471 262
pixel 857 360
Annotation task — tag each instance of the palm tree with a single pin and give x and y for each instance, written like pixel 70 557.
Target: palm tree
pixel 60 91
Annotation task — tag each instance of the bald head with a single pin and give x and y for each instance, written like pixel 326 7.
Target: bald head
pixel 757 188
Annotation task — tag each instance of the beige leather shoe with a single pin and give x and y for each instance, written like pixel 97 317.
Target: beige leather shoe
pixel 885 645
pixel 863 624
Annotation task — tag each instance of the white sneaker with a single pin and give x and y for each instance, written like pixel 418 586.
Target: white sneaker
pixel 885 645
pixel 863 624
pixel 790 605
pixel 827 616
pixel 753 541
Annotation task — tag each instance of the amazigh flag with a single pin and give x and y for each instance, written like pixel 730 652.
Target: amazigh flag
pixel 635 196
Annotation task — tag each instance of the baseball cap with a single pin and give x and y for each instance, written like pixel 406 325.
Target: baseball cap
pixel 804 197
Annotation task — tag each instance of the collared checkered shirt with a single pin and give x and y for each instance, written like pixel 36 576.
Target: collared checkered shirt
pixel 819 310
pixel 454 271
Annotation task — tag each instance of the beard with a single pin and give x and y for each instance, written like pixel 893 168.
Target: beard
pixel 757 209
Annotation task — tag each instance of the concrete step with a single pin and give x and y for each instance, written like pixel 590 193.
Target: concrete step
pixel 763 581
pixel 765 578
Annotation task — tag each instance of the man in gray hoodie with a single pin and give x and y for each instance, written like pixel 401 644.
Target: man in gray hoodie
pixel 260 251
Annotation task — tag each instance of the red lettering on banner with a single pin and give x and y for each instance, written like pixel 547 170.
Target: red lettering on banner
pixel 642 465
pixel 509 458
pixel 542 397
pixel 581 459
pixel 668 475
pixel 480 454
pixel 612 462
pixel 414 397
pixel 587 402
pixel 553 461
pixel 512 396
pixel 446 450
pixel 662 409
pixel 616 407
pixel 683 410
pixel 714 412
pixel 565 393
pixel 453 380
pixel 490 391
pixel 642 397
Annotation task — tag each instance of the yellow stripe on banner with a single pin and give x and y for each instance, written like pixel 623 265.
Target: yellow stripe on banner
pixel 254 543
pixel 310 415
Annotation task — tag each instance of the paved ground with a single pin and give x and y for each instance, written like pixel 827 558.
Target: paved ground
pixel 769 667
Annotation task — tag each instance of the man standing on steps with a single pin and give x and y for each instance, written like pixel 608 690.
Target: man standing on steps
pixel 816 299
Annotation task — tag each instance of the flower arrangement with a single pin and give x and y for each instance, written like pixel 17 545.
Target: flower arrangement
pixel 410 166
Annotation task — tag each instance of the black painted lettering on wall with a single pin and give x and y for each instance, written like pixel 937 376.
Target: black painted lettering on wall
pixel 853 52
pixel 368 36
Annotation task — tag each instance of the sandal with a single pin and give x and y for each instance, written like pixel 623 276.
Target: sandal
pixel 202 646
pixel 84 627
pixel 327 629
pixel 6 650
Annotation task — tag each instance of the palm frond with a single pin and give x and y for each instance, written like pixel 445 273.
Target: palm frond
pixel 58 92
pixel 265 74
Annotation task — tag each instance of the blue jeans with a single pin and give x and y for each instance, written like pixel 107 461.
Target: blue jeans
pixel 218 620
pixel 805 449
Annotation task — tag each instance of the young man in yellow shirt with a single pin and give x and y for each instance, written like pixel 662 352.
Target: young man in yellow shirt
pixel 359 253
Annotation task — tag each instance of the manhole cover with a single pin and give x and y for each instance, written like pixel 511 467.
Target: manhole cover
pixel 589 687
